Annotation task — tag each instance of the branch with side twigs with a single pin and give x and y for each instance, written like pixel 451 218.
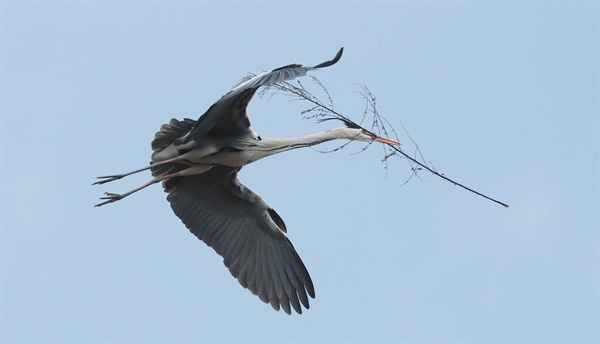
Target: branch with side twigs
pixel 322 111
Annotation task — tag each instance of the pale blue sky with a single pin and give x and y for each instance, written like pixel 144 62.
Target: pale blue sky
pixel 501 96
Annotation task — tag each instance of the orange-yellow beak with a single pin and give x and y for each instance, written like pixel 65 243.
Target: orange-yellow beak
pixel 386 141
pixel 380 139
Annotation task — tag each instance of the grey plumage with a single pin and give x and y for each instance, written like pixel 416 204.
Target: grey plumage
pixel 238 225
pixel 198 163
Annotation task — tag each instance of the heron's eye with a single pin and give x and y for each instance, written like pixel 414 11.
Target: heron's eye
pixel 368 133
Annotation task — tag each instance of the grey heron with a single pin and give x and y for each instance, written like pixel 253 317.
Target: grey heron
pixel 198 162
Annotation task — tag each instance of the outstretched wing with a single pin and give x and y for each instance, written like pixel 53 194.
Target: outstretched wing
pixel 241 227
pixel 228 115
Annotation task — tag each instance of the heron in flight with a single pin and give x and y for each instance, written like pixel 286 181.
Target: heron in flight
pixel 198 162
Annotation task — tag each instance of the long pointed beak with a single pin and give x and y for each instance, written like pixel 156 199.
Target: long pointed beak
pixel 386 141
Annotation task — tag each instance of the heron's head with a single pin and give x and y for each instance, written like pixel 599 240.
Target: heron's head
pixel 355 132
pixel 360 134
pixel 372 137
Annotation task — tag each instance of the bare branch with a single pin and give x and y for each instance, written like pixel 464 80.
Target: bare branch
pixel 324 112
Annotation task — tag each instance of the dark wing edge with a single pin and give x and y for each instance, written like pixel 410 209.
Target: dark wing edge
pixel 246 232
pixel 281 74
pixel 228 115
pixel 335 59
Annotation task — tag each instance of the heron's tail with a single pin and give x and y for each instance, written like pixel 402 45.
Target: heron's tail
pixel 168 133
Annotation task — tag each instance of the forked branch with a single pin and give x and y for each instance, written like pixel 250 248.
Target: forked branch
pixel 324 112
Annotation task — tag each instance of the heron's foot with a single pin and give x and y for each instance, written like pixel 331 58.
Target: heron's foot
pixel 108 179
pixel 110 198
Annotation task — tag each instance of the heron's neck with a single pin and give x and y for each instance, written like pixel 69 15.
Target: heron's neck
pixel 270 146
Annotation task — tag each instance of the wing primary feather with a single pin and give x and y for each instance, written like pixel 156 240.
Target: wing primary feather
pixel 295 282
pixel 285 281
pixel 298 285
pixel 300 270
pixel 332 62
pixel 252 266
pixel 284 300
pixel 287 286
pixel 295 303
pixel 242 276
pixel 303 297
pixel 233 258
pixel 258 272
pixel 276 278
pixel 222 238
pixel 232 250
pixel 234 266
pixel 266 275
pixel 210 230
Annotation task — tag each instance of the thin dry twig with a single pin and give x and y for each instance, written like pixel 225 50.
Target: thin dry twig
pixel 325 112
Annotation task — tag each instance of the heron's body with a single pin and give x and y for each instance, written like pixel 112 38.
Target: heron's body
pixel 198 162
pixel 241 150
